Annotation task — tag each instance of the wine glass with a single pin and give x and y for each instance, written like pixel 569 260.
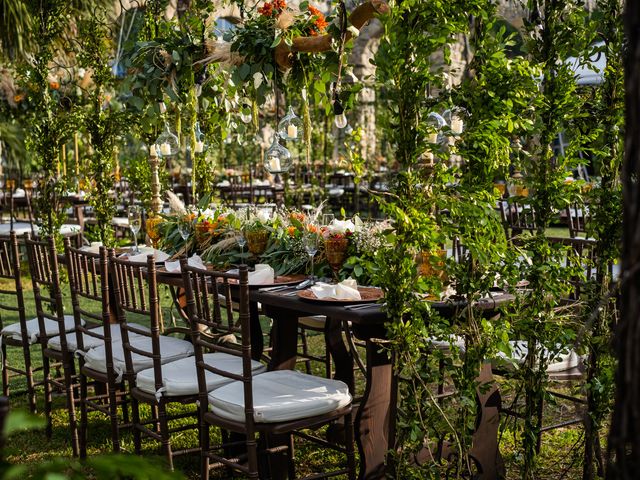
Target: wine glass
pixel 327 218
pixel 134 214
pixel 184 228
pixel 242 241
pixel 310 240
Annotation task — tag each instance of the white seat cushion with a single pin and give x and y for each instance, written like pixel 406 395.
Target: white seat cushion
pixel 558 362
pixel 120 222
pixel 316 322
pixel 171 349
pixel 69 229
pixel 280 396
pixel 92 342
pixel 33 332
pixel 19 227
pixel 180 377
pixel 445 344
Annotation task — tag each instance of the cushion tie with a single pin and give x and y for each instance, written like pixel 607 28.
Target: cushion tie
pixel 159 393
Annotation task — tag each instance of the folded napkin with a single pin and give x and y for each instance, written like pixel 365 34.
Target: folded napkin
pixel 146 251
pixel 19 193
pixel 262 275
pixel 174 267
pixel 345 290
pixel 93 248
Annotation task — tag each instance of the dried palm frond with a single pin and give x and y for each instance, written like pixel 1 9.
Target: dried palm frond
pixel 220 52
pixel 175 204
pixel 314 214
pixel 285 20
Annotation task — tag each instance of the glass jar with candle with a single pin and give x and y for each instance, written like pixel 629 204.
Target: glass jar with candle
pixel 200 146
pixel 435 122
pixel 277 159
pixel 167 143
pixel 290 127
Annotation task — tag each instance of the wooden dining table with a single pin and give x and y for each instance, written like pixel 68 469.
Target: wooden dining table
pixel 375 419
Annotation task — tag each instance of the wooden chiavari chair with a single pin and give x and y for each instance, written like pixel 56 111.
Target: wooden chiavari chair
pixel 21 334
pixel 47 291
pixel 148 353
pixel 272 403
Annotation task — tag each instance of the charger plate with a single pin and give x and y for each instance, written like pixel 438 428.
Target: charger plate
pixel 367 294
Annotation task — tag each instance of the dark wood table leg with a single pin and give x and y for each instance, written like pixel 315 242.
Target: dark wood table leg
pixel 375 420
pixel 485 449
pixel 342 357
pixel 284 334
pixel 486 461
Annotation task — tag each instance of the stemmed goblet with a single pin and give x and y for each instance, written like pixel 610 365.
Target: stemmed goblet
pixel 184 228
pixel 242 241
pixel 134 215
pixel 310 241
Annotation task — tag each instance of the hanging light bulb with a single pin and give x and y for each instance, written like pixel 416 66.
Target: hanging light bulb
pixel 167 143
pixel 200 146
pixel 277 159
pixel 290 127
pixel 340 119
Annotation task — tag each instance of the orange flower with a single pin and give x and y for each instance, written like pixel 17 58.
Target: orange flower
pixel 318 26
pixel 297 216
pixel 18 97
pixel 266 9
pixel 319 23
pixel 54 85
pixel 314 11
pixel 291 231
pixel 279 4
pixel 312 228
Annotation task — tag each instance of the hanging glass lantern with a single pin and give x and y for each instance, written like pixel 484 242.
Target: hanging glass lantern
pixel 200 146
pixel 277 159
pixel 167 143
pixel 454 118
pixel 290 127
pixel 435 122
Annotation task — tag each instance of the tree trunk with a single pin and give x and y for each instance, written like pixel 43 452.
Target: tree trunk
pixel 624 437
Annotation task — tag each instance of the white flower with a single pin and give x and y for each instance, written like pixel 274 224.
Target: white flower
pixel 257 80
pixel 264 215
pixel 81 72
pixel 341 227
pixel 208 213
pixel 353 30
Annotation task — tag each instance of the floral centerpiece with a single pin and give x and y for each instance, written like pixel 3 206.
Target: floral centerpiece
pixel 337 236
pixel 257 230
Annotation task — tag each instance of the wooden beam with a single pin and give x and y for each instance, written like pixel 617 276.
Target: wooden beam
pixel 360 16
